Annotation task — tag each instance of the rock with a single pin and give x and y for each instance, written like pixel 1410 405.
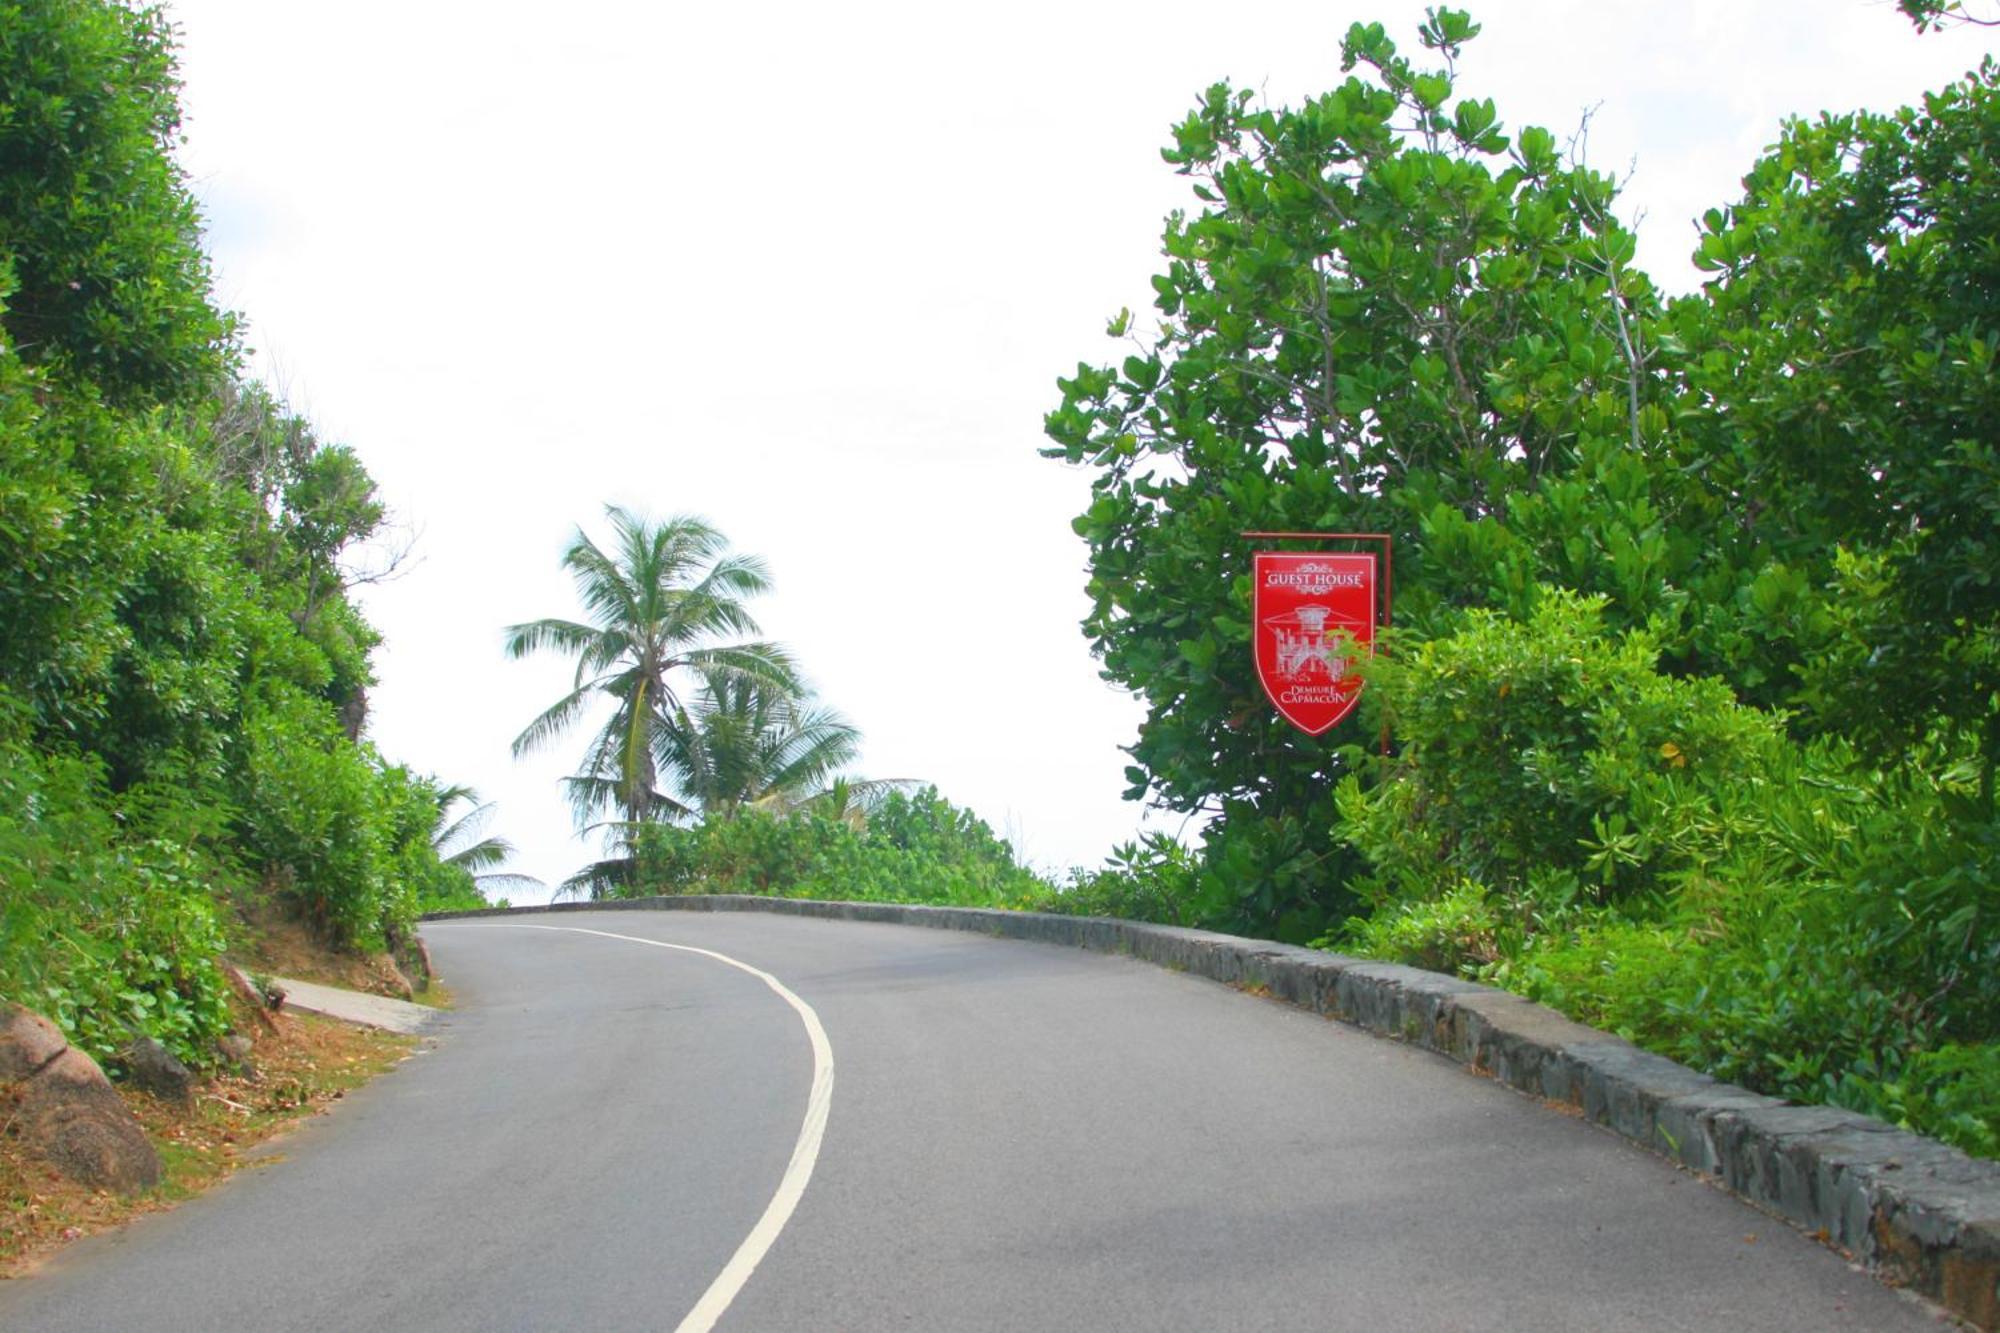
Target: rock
pixel 235 1048
pixel 409 960
pixel 65 1111
pixel 246 991
pixel 393 979
pixel 153 1067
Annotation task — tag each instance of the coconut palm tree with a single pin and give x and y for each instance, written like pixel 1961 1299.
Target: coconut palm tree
pixel 743 747
pixel 849 801
pixel 461 840
pixel 664 607
pixel 742 744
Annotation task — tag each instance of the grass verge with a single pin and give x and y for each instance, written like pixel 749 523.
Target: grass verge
pixel 307 1065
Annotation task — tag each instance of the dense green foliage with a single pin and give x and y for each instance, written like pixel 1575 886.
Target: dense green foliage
pixel 1695 684
pixel 109 283
pixel 106 922
pixel 1645 852
pixel 1848 346
pixel 913 847
pixel 1363 330
pixel 182 674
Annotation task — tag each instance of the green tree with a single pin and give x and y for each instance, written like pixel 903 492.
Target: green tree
pixel 665 608
pixel 1387 314
pixel 181 667
pixel 1929 14
pixel 108 275
pixel 1850 359
pixel 742 743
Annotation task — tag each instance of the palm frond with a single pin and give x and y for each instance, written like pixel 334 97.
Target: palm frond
pixel 457 842
pixel 554 720
pixel 606 587
pixel 449 832
pixel 768 665
pixel 565 636
pixel 807 749
pixel 599 879
pixel 736 577
pixel 506 881
pixel 481 857
pixel 850 800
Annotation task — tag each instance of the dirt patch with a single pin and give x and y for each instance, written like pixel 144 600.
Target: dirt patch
pixel 306 1066
pixel 271 942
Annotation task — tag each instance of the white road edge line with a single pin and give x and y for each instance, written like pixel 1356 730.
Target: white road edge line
pixel 805 1153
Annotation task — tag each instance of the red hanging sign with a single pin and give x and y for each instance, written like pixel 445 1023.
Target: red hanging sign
pixel 1314 615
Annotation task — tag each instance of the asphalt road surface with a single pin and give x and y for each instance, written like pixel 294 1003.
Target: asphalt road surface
pixel 1016 1136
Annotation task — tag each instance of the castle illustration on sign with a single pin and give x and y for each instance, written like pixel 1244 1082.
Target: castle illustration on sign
pixel 1304 647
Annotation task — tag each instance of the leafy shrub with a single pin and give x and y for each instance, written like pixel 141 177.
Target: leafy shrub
pixel 1457 932
pixel 1648 855
pixel 912 848
pixel 346 838
pixel 142 960
pixel 1153 879
pixel 1539 747
pixel 308 820
pixel 107 929
pixel 1951 1092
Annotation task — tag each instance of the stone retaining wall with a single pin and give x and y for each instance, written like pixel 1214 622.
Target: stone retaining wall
pixel 1918 1213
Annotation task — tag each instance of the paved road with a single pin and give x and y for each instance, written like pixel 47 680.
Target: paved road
pixel 1021 1137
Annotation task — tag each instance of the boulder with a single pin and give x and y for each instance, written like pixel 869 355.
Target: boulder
pixel 65 1111
pixel 259 1002
pixel 388 979
pixel 409 962
pixel 235 1049
pixel 420 955
pixel 153 1068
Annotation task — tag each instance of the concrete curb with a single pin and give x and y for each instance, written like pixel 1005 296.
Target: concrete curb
pixel 1920 1214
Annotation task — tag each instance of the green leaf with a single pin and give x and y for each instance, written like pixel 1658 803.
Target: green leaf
pixel 1431 90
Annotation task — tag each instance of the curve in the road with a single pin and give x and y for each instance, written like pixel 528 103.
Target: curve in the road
pixel 805 1152
pixel 1030 1137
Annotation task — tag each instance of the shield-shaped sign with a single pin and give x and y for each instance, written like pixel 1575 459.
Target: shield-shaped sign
pixel 1314 614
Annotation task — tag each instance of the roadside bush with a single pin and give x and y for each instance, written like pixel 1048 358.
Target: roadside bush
pixel 1647 855
pixel 1153 879
pixel 1949 1092
pixel 1549 750
pixel 1461 931
pixel 345 838
pixel 911 848
pixel 106 926
pixel 308 820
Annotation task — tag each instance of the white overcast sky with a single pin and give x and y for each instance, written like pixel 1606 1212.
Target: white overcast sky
pixel 810 271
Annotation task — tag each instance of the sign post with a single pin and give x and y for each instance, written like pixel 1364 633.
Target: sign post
pixel 1313 617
